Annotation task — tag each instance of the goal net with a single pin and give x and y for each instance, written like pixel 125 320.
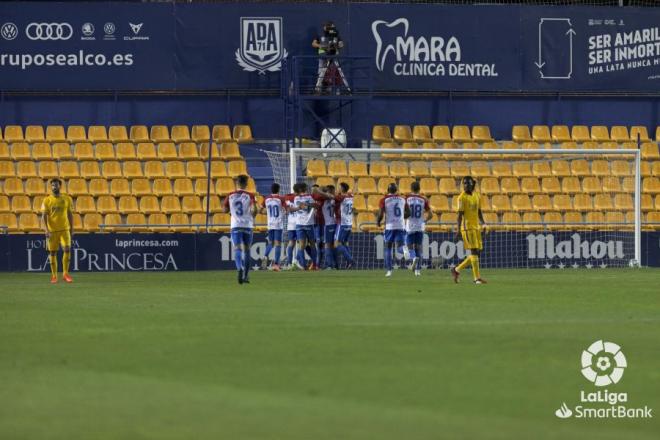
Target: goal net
pixel 544 208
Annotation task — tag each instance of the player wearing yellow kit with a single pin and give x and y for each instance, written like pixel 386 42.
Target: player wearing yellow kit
pixel 470 223
pixel 57 219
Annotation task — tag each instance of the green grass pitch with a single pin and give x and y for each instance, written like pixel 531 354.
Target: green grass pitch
pixel 325 355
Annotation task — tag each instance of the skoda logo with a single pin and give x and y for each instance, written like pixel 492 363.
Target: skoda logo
pixel 88 29
pixel 49 31
pixel 9 31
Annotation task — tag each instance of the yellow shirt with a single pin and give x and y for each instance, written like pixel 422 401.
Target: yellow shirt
pixel 57 211
pixel 469 205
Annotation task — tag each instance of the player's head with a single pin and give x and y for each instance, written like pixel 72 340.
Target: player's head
pixel 242 181
pixel 330 189
pixel 56 186
pixel 392 188
pixel 275 188
pixel 303 187
pixel 414 187
pixel 343 186
pixel 468 184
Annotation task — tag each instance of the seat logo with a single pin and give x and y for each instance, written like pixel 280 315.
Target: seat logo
pixel 49 31
pixel 9 31
pixel 603 363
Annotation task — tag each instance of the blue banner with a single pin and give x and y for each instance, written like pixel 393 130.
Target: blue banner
pixel 173 252
pixel 415 47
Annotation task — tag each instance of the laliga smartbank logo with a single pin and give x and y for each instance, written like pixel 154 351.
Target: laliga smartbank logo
pixel 603 364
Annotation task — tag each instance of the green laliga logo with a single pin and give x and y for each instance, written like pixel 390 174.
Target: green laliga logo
pixel 603 363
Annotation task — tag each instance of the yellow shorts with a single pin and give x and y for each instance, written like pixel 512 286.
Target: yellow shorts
pixel 472 239
pixel 55 239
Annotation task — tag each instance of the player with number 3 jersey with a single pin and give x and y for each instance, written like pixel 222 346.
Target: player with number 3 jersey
pixel 241 205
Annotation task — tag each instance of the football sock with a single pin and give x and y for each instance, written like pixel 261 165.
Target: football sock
pixel 475 267
pixel 329 257
pixel 465 263
pixel 53 264
pixel 313 254
pixel 269 247
pixel 66 258
pixel 278 253
pixel 301 257
pixel 289 255
pixel 388 258
pixel 238 258
pixel 335 257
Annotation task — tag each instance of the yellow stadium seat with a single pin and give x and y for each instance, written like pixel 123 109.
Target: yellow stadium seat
pixel 500 203
pixel 542 169
pixel 140 133
pixel 201 187
pixel 180 222
pixel 158 223
pixel 111 169
pixel 649 151
pixel 167 151
pixel 348 180
pixel 62 151
pixel 384 182
pixel 619 133
pixel 615 217
pixel 553 219
pixel 591 185
pixel 126 151
pixel 398 169
pixel 428 186
pixel 121 187
pixel 422 133
pixel 639 132
pixel 573 218
pixel 110 221
pixel 510 219
pixel 175 169
pixel 521 202
pixel 419 169
pixel 201 133
pixel 191 204
pixel 14 133
pixel 521 169
pixel 99 186
pixel 541 202
pixel 140 187
pixel 128 205
pixel 237 168
pixel 252 187
pixel 216 205
pixel 218 169
pixel 14 186
pixel 27 168
pixel 188 151
pixel 647 202
pixel 530 185
pixel 154 169
pixel 628 184
pixel 378 169
pixel 221 133
pixel 97 133
pixel 366 185
pixel 595 218
pixel 447 222
pixel 4 203
pixel 170 204
pixel 489 185
pixel 541 133
pixel 550 185
pixel 85 204
pixel 4 151
pixel 582 202
pixel 220 222
pixel 19 204
pixel 180 133
pixel 224 186
pixel 242 133
pixel 337 168
pixel 373 202
pixel 149 205
pixel 29 222
pixel 47 170
pixel 41 151
pixel 439 203
pixel 359 203
pixel 560 133
pixel 69 169
pixel 159 133
pixel 448 185
pixel 441 133
pixel 76 133
pixel 645 168
pixel 146 151
pixel 520 133
pixel 132 169
pixel 381 133
pixel 580 133
pixel 7 169
pixel 481 133
pixel 623 202
pixel 461 133
pixel 532 221
pixel 106 204
pixel 402 133
pixel 77 187
pixel 20 151
pixel 621 168
pixel 104 151
pixel 230 151
pixel 118 133
pixel 651 185
pixel 196 169
pixel 611 184
pixel 139 222
pixel 83 151
pixel 440 168
pixel 316 168
pixel 459 168
pixel 502 169
pixel 411 146
pixel 89 169
pixel 366 222
pixel 579 168
pixel 162 187
pixel 92 221
pixel 560 168
pixel 510 185
pixel 655 169
pixel 389 146
pixel 33 186
pixel 183 187
pixel 479 169
pixel 55 133
pixel 600 168
pixel 570 185
pixel 405 184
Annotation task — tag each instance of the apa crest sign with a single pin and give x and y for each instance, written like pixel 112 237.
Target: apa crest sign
pixel 261 45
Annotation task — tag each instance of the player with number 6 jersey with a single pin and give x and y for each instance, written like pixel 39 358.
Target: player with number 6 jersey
pixel 241 205
pixel 395 210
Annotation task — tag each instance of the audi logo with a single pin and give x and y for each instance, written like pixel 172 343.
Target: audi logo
pixel 49 31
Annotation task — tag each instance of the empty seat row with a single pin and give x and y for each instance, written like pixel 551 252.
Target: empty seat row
pixel 423 133
pixel 114 169
pixel 580 133
pixel 119 133
pixel 122 151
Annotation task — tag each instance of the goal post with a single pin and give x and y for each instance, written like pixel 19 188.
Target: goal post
pixel 544 207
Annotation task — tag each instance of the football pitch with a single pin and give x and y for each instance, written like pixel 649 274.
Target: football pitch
pixel 323 355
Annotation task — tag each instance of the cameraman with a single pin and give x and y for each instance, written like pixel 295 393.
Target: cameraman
pixel 328 45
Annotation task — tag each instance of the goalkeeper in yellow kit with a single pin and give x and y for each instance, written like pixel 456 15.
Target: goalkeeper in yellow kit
pixel 469 218
pixel 57 219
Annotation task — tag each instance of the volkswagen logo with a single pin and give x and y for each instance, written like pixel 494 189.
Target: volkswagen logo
pixel 9 31
pixel 109 28
pixel 49 31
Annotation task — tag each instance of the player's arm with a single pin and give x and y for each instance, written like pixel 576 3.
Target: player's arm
pixel 381 212
pixel 429 213
pixel 225 205
pixel 481 220
pixel 70 216
pixel 322 194
pixel 254 208
pixel 406 211
pixel 44 222
pixel 458 226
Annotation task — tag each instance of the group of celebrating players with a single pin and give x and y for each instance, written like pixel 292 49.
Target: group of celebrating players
pixel 319 224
